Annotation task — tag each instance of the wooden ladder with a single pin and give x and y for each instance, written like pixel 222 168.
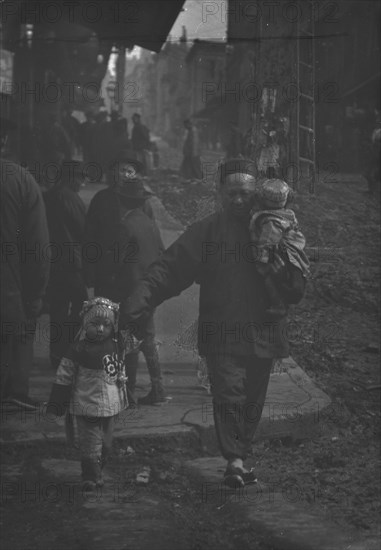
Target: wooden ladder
pixel 305 108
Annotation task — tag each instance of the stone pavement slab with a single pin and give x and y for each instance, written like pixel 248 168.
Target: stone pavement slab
pixel 294 407
pixel 282 513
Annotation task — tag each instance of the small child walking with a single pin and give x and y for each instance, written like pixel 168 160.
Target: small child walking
pixel 275 229
pixel 90 386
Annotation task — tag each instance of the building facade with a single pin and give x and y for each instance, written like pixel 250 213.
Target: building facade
pixel 309 67
pixel 206 64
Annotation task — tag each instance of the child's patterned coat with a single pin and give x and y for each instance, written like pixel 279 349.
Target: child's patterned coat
pixel 96 375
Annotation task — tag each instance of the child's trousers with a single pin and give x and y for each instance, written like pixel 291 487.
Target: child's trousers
pixel 95 442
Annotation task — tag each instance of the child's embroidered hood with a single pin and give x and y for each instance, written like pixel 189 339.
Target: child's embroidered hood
pixel 98 307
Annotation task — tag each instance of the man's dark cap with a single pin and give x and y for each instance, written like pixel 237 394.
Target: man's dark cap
pixel 129 157
pixel 236 166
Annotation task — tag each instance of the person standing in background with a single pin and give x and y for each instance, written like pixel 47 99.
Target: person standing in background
pixel 141 141
pixel 121 141
pixel 71 125
pixel 120 221
pixel 191 165
pixel 67 291
pixel 56 141
pixel 104 143
pixel 24 277
pixel 87 137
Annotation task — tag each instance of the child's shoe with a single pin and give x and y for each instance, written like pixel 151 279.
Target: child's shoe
pixel 89 486
pixel 91 474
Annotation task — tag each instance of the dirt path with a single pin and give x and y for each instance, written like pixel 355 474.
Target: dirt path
pixel 44 507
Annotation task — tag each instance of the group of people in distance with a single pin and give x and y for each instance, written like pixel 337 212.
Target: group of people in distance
pixel 101 138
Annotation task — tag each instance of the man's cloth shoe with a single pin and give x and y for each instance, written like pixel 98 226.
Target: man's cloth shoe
pixel 236 478
pixel 88 486
pixel 249 477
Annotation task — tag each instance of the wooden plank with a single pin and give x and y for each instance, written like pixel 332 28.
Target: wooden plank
pixel 304 159
pixel 306 129
pixel 306 96
pixel 306 64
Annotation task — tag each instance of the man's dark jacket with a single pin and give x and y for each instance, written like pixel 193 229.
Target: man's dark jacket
pixel 24 243
pixel 140 137
pixel 121 242
pixel 66 214
pixel 217 254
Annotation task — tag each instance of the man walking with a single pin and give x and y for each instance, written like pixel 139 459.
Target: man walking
pixel 239 342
